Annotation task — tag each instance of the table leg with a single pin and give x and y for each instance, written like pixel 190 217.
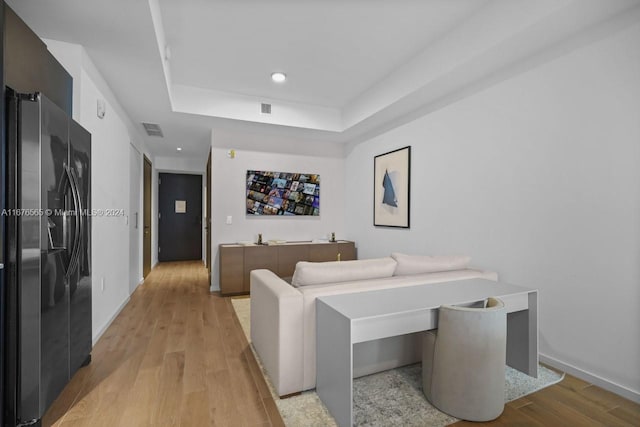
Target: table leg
pixel 522 338
pixel 334 363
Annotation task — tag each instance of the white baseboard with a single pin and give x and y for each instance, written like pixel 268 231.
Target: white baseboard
pixel 108 323
pixel 592 378
pixel 136 286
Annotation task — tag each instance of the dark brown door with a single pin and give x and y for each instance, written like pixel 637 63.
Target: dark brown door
pixel 207 226
pixel 180 219
pixel 146 243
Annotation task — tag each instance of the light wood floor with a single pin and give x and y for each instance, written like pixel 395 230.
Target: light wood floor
pixel 572 402
pixel 176 355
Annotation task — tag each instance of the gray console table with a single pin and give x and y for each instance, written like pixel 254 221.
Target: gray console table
pixel 348 319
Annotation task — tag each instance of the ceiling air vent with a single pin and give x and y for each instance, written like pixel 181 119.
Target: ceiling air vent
pixel 153 129
pixel 265 108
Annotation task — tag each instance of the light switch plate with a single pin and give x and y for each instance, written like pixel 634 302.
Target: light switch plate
pixel 229 220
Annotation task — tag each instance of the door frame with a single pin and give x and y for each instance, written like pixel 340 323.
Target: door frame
pixel 161 192
pixel 147 229
pixel 207 226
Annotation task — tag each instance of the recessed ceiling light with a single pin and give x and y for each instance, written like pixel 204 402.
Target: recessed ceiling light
pixel 179 149
pixel 278 77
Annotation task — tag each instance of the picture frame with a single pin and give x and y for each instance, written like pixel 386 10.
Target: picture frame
pixel 392 188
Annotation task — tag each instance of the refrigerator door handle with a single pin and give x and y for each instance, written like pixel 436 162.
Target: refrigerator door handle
pixel 75 252
pixel 63 184
pixel 80 216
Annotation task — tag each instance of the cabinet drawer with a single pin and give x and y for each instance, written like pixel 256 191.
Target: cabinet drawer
pixel 257 257
pixel 231 270
pixel 288 256
pixel 330 251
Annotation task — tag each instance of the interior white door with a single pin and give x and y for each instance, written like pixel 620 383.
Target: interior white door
pixel 135 218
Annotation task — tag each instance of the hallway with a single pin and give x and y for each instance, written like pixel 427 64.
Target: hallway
pixel 174 356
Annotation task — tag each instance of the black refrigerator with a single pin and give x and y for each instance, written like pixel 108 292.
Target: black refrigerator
pixel 47 258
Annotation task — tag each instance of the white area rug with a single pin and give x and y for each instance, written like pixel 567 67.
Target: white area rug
pixel 390 398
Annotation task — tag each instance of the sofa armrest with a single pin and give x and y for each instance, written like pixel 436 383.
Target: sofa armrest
pixel 276 330
pixel 486 274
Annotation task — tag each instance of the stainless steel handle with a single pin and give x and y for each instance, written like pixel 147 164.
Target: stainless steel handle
pixel 78 210
pixel 80 216
pixel 82 212
pixel 80 226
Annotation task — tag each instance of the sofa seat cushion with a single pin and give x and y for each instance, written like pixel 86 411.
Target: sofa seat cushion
pixel 419 264
pixel 320 273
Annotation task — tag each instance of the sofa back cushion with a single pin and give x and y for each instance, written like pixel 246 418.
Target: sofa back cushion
pixel 319 273
pixel 418 264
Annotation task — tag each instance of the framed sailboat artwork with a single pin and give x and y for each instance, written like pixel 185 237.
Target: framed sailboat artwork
pixel 392 188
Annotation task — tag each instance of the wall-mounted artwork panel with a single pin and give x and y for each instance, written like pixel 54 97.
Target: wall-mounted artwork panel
pixel 283 193
pixel 392 188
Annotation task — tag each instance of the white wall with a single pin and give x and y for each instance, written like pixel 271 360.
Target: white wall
pixel 111 139
pixel 537 178
pixel 181 164
pixel 109 190
pixel 229 199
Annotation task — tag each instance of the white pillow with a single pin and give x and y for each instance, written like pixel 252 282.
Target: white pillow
pixel 417 264
pixel 320 273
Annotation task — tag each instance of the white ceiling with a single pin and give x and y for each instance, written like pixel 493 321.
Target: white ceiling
pixel 355 67
pixel 332 51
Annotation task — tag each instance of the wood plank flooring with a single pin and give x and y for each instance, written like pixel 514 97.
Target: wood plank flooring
pixel 176 356
pixel 572 402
